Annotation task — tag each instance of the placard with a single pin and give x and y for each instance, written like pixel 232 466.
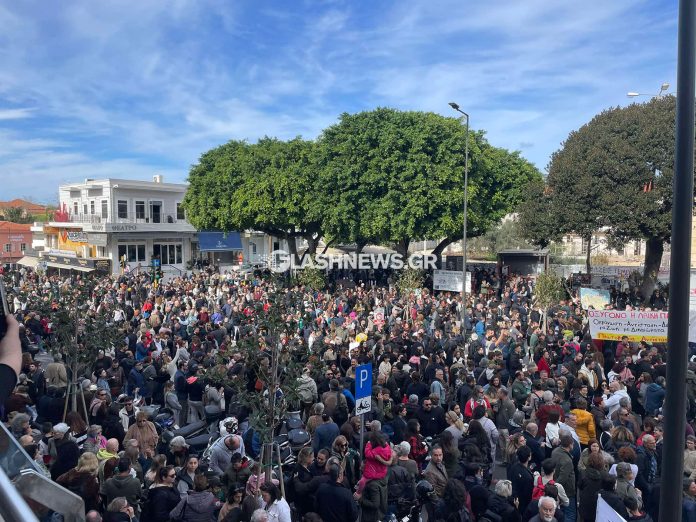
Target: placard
pixel 612 325
pixel 450 281
pixel 595 298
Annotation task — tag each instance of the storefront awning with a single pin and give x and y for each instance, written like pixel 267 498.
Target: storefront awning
pixel 29 261
pixel 219 241
pixel 69 267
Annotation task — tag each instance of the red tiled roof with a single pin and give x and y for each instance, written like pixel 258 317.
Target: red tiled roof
pixel 8 226
pixel 26 205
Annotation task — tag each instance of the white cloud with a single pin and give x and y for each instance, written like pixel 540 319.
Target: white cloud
pixel 148 84
pixel 16 114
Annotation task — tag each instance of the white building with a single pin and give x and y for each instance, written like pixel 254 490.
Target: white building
pixel 100 221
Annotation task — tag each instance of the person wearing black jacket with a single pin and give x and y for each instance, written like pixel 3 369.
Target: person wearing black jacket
pixel 400 485
pixel 530 436
pixel 162 497
pixel 431 419
pixel 399 424
pixel 609 495
pixel 500 503
pixel 334 502
pixel 304 483
pixel 473 481
pixel 522 478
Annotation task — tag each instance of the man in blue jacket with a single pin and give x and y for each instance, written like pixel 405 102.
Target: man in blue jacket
pixel 655 396
pixel 325 434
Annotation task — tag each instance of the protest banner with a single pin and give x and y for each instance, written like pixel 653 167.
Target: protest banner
pixel 612 325
pixel 594 297
pixel 450 280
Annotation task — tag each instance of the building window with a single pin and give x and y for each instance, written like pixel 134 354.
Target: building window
pixel 139 210
pixel 104 208
pixel 8 247
pixel 168 254
pixel 92 207
pixel 636 248
pixel 133 253
pixel 122 209
pixel 621 251
pixel 76 207
pixel 253 248
pixel 23 247
pixel 180 213
pixel 84 209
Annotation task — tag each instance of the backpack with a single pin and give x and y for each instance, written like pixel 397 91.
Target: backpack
pixel 538 490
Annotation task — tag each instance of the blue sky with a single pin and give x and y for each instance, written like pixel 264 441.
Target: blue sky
pixel 134 88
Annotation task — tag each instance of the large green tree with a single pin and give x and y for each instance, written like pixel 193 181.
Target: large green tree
pixel 615 172
pixel 398 176
pixel 269 186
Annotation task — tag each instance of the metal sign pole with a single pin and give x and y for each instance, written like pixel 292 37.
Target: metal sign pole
pixel 362 436
pixel 363 398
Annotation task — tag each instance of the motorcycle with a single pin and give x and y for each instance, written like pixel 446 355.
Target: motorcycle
pixel 198 435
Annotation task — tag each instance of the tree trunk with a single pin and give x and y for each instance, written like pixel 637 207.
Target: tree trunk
pixel 326 247
pixel 359 247
pixel 654 247
pixel 588 264
pixel 292 247
pixel 402 247
pixel 312 244
pixel 437 251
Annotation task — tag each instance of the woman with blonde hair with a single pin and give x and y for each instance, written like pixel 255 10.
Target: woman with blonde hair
pixel 514 442
pixel 456 426
pixel 82 480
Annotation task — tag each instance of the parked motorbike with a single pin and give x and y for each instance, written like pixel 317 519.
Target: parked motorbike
pixel 198 435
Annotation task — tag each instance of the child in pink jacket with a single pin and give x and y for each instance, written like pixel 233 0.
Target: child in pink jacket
pixel 378 456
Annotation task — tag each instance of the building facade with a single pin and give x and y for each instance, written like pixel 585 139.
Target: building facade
pixel 15 241
pixel 100 222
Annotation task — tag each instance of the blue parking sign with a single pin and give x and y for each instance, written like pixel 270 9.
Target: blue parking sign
pixel 363 389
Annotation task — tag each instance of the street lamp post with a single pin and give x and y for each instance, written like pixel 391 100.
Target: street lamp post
pixel 466 203
pixel 663 91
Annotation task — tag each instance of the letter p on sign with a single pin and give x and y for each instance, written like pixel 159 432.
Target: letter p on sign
pixel 363 389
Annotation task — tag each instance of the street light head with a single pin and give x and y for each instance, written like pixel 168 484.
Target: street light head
pixel 454 106
pixel 632 94
pixel 664 86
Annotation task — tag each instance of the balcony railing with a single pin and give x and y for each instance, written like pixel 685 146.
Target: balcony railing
pixel 86 218
pixel 95 219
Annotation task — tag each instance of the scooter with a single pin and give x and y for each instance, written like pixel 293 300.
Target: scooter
pixel 198 435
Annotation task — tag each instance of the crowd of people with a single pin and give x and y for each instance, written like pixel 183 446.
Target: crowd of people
pixel 516 415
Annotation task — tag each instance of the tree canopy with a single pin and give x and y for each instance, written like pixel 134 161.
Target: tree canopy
pixel 376 177
pixel 614 172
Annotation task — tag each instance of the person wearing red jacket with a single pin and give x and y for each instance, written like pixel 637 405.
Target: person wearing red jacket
pixel 477 398
pixel 542 414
